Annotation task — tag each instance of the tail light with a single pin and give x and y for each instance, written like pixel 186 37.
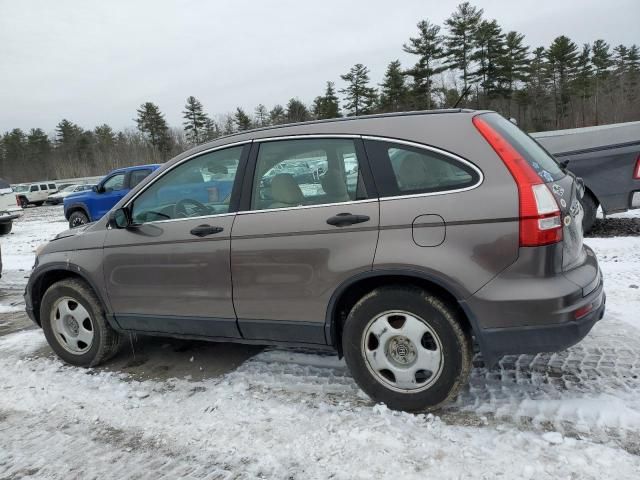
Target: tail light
pixel 540 218
pixel 636 170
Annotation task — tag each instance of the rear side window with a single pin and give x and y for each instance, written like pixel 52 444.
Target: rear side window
pixel 137 176
pixel 52 186
pixel 405 170
pixel 302 172
pixel 43 186
pixel 541 161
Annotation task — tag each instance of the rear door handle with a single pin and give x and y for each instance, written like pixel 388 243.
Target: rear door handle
pixel 346 219
pixel 204 230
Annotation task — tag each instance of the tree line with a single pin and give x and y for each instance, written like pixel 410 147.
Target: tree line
pixel 470 62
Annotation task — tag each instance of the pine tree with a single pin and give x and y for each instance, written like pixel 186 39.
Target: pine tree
pixel 105 137
pixel 394 93
pixel 261 116
pixel 277 115
pixel 243 121
pixel 152 124
pixel 67 133
pixel 539 79
pixel 229 125
pixel 297 111
pixel 490 49
pixel 428 46
pixel 513 65
pixel 211 130
pixel 582 82
pixel 633 80
pixel 195 121
pixel 360 98
pixel 601 59
pixel 327 105
pixel 459 43
pixel 562 56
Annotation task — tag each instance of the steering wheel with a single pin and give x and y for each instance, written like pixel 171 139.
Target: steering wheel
pixel 197 209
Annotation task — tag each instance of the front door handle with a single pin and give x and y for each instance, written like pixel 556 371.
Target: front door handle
pixel 346 219
pixel 204 230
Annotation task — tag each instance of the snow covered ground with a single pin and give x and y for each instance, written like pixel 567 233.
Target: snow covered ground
pixel 176 409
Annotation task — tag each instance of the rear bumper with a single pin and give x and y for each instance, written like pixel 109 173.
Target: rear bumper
pixel 539 338
pixel 514 315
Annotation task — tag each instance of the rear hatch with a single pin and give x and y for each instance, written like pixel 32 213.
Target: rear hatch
pixel 565 187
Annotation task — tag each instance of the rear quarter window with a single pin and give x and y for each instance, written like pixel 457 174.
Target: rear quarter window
pixel 401 169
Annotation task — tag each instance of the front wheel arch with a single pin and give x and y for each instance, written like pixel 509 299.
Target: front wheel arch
pixel 54 274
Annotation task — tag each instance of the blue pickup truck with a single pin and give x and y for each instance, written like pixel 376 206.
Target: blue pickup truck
pixel 91 205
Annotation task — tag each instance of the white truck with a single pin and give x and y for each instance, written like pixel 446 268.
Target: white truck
pixel 9 209
pixel 35 193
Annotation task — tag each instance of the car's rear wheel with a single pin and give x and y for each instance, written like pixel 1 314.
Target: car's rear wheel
pixel 77 219
pixel 406 348
pixel 75 325
pixel 5 227
pixel 590 207
pixel 38 204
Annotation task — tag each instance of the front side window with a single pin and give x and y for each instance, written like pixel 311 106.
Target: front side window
pixel 114 183
pixel 406 170
pixel 34 188
pixel 137 176
pixel 198 187
pixel 291 173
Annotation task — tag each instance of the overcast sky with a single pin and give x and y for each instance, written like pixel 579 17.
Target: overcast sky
pixel 96 61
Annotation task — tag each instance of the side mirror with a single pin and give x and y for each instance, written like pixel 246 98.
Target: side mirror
pixel 119 218
pixel 97 188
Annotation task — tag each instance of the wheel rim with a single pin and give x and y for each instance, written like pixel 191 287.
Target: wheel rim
pixel 402 351
pixel 72 325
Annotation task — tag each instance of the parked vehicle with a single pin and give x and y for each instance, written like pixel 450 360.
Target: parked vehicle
pixel 34 193
pixel 90 205
pixel 458 228
pixel 57 198
pixel 9 211
pixel 607 158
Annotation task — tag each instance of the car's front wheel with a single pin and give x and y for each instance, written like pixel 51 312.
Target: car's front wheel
pixel 75 325
pixel 407 348
pixel 77 219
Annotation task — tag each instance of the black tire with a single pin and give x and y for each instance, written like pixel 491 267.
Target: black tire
pixel 38 204
pixel 106 341
pixel 5 227
pixel 77 219
pixel 590 207
pixel 24 203
pixel 456 347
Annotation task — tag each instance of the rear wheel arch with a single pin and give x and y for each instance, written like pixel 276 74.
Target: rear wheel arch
pixel 352 290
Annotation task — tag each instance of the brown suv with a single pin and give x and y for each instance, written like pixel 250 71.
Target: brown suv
pixel 398 240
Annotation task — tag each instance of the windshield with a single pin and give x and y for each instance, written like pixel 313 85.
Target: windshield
pixel 543 163
pixel 21 188
pixel 70 188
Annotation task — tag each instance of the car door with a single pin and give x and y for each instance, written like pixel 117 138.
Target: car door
pixel 301 232
pixel 169 272
pixel 108 193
